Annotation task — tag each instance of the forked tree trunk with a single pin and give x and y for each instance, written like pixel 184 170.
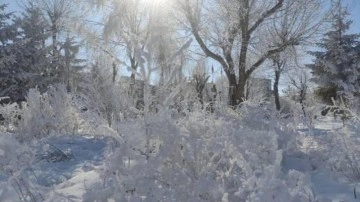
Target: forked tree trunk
pixel 237 94
pixel 246 25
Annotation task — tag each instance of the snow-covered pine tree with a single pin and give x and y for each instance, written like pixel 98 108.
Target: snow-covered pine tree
pixel 336 68
pixel 33 57
pixel 7 33
pixel 9 43
pixel 71 63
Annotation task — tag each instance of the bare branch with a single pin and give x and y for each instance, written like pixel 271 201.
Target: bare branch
pixel 195 30
pixel 264 16
pixel 268 54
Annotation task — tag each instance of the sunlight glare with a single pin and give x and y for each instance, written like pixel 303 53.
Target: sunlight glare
pixel 157 3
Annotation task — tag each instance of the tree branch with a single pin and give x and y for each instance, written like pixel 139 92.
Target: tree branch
pixel 195 30
pixel 265 15
pixel 267 55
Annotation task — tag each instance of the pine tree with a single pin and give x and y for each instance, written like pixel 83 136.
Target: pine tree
pixel 70 62
pixel 62 63
pixel 33 56
pixel 336 70
pixel 7 33
pixel 9 44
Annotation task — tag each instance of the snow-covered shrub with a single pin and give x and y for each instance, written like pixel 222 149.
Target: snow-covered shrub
pixel 286 106
pixel 47 113
pixel 107 99
pixel 352 110
pixel 10 113
pixel 304 114
pixel 344 155
pixel 15 160
pixel 266 118
pixel 200 157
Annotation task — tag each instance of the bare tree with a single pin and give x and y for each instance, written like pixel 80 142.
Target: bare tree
pixel 255 26
pixel 299 79
pixel 133 23
pixel 125 26
pixel 200 79
pixel 282 62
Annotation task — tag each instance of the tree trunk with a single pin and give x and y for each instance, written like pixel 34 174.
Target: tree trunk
pixel 67 64
pixel 240 90
pixel 237 90
pixel 114 72
pixel 55 56
pixel 276 90
pixel 232 90
pixel 301 100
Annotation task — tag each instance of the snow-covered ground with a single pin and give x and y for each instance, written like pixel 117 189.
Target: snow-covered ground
pixel 67 166
pixel 328 186
pixel 73 173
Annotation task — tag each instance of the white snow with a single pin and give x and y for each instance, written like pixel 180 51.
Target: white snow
pixel 328 186
pixel 69 179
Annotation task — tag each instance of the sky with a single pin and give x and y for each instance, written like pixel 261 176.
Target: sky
pixel 353 7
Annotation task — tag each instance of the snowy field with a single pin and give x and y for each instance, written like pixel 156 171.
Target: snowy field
pixel 329 186
pixel 161 101
pixel 65 168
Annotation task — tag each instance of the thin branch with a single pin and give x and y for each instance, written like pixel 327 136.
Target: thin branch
pixel 195 30
pixel 265 15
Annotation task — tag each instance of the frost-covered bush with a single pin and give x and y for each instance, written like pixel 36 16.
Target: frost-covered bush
pixel 15 181
pixel 266 118
pixel 200 157
pixel 344 155
pixel 10 114
pixel 353 108
pixel 107 98
pixel 47 113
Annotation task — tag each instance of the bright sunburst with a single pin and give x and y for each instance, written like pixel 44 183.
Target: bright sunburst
pixel 157 3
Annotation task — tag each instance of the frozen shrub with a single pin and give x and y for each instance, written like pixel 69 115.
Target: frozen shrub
pixel 108 100
pixel 265 118
pixel 15 159
pixel 200 157
pixel 344 155
pixel 47 113
pixel 9 115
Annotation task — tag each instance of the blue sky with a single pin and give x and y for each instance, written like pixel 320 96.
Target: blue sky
pixel 353 7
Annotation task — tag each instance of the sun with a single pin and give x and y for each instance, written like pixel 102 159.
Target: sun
pixel 157 3
pixel 157 7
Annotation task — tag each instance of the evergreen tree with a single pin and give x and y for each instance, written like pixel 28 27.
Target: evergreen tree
pixel 33 57
pixel 26 56
pixel 9 44
pixel 29 55
pixel 7 34
pixel 70 62
pixel 336 70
